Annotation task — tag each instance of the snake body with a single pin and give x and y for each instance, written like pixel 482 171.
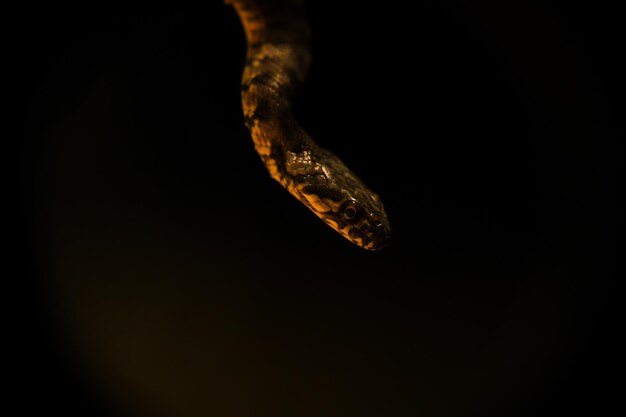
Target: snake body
pixel 278 57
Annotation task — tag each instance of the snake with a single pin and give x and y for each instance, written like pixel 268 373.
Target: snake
pixel 278 57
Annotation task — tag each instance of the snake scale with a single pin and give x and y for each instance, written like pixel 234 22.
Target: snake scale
pixel 278 57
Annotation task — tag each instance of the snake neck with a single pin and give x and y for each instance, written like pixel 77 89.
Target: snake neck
pixel 278 56
pixel 279 21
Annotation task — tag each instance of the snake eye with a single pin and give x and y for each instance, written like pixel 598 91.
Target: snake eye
pixel 350 212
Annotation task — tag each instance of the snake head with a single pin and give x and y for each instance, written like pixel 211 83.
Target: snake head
pixel 323 183
pixel 362 220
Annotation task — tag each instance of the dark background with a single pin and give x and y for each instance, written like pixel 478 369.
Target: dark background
pixel 161 272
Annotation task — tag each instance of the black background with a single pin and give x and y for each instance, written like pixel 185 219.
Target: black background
pixel 162 272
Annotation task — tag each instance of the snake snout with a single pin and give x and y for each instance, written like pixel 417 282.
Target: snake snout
pixel 378 231
pixel 381 236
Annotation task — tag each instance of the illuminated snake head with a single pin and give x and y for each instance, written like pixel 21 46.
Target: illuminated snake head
pixel 336 195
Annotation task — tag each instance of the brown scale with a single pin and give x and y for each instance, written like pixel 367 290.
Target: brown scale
pixel 278 39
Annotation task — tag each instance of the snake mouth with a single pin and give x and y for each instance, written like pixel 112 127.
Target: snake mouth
pixel 380 237
pixel 372 238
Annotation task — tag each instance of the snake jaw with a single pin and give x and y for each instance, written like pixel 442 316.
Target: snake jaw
pixel 372 232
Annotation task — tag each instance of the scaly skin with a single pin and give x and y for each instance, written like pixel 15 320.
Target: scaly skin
pixel 278 57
